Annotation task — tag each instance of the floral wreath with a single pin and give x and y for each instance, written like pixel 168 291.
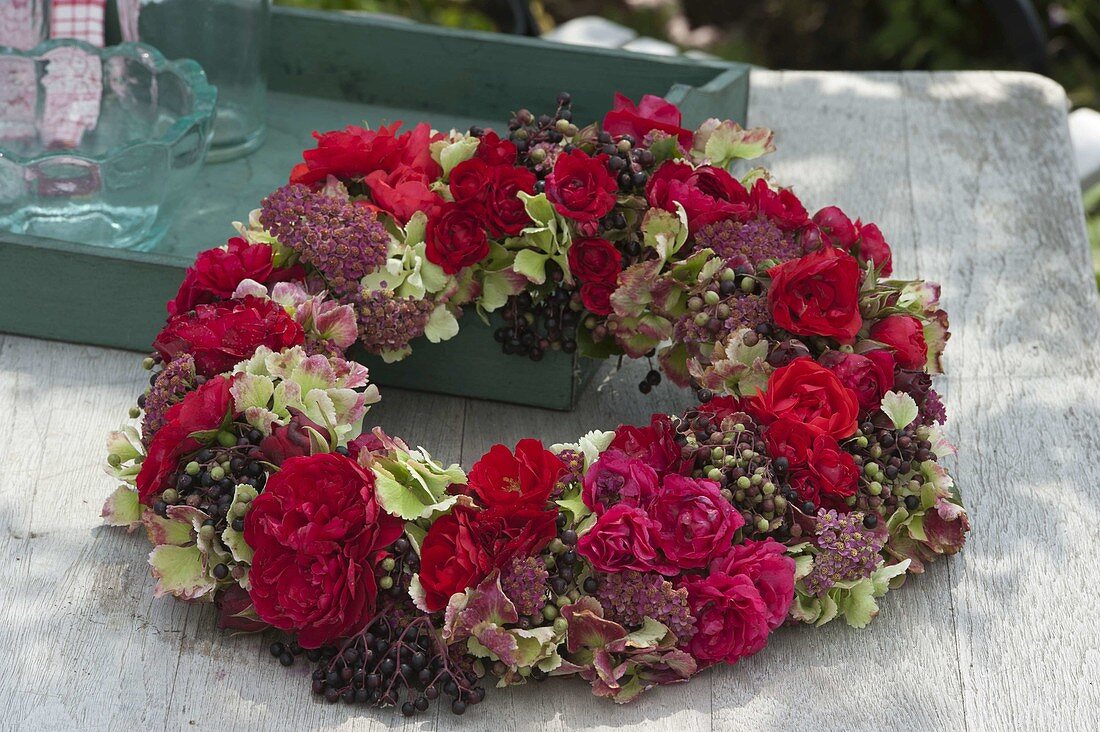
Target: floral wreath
pixel 805 485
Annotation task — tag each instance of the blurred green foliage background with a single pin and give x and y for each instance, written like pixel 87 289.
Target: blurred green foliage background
pixel 813 34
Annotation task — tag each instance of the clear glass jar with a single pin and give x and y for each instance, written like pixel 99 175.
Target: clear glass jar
pixel 229 40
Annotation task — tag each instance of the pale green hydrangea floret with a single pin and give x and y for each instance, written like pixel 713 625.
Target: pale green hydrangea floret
pixel 325 390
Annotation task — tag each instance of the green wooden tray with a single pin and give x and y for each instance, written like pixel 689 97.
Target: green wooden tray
pixel 326 71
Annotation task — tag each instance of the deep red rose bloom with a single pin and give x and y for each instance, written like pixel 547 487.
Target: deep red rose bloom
pixel 222 334
pixel 201 410
pixel 463 547
pixel 291 439
pixel 829 476
pixel 506 213
pixel 708 194
pixel 872 247
pixel 790 439
pixel 469 181
pixel 316 532
pixel 525 477
pixel 772 573
pixel 621 539
pixel 722 407
pixel 217 272
pixel 655 444
pixel 904 334
pixel 835 227
pixel 456 238
pixel 693 522
pixel 580 186
pixel 651 113
pixel 731 619
pixel 495 151
pixel 596 297
pixel 781 207
pixel 868 375
pixel 807 392
pixel 595 260
pixel 817 295
pixel 618 478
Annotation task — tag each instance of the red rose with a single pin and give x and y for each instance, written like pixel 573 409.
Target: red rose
pixel 595 260
pixel 596 297
pixel 316 532
pixel 618 478
pixel 868 375
pixel 580 186
pixel 291 439
pixel 772 573
pixel 355 152
pixel 201 410
pixel 505 210
pixel 401 194
pixel 781 207
pixel 904 334
pixel 396 170
pixel 456 238
pixel 622 539
pixel 872 247
pixel 708 194
pixel 807 392
pixel 223 334
pixel 830 475
pixel 731 619
pixel 469 181
pixel 652 113
pixel 835 227
pixel 217 272
pixel 501 478
pixel 495 151
pixel 817 295
pixel 693 521
pixel 790 439
pixel 463 547
pixel 655 444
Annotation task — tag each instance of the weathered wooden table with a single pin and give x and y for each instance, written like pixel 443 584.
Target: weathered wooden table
pixel 971 177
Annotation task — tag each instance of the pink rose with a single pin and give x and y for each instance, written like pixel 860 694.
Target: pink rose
pixel 694 522
pixel 731 619
pixel 772 573
pixel 622 539
pixel 618 478
pixel 868 375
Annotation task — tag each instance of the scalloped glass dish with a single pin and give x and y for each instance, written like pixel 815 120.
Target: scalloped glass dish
pixel 99 146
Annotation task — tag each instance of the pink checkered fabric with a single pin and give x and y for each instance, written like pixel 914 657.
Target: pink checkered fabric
pixel 82 19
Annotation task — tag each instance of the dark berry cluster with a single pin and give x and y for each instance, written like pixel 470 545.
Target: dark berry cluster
pixel 207 480
pixel 630 164
pixel 396 570
pixel 732 453
pixel 537 323
pixel 393 661
pixel 537 138
pixel 890 461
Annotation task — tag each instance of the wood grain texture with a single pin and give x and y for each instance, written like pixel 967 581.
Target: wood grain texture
pixel 970 177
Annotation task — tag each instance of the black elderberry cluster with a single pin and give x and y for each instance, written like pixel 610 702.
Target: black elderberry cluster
pixel 533 327
pixel 732 453
pixel 392 663
pixel 208 479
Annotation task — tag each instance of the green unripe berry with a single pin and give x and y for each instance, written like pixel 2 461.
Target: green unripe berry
pixel 718 453
pixel 388 564
pixel 227 439
pixel 170 495
pixel 747 284
pixel 728 275
pixel 114 460
pixel 762 524
pixel 710 297
pixel 550 612
pixel 217 473
pixel 206 533
pixel 743 482
pixel 386 582
pixel 147 363
pixel 560 625
pixel 192 468
pixel 714 474
pixel 134 412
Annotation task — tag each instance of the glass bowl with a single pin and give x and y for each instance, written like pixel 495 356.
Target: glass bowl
pixel 99 145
